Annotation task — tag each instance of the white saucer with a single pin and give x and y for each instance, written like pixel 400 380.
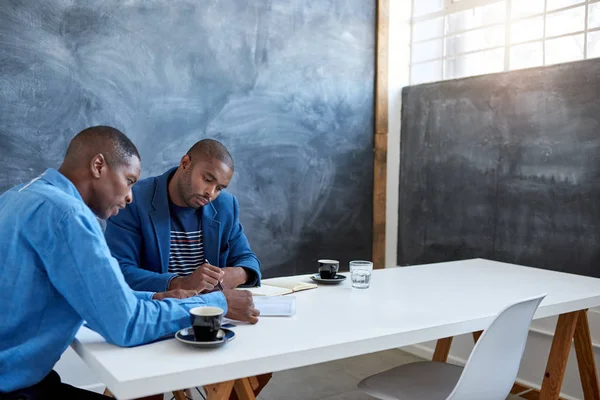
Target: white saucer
pixel 186 336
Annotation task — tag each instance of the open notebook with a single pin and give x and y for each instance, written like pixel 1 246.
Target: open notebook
pixel 281 286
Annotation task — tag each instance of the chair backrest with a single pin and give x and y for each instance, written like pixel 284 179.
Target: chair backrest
pixel 493 365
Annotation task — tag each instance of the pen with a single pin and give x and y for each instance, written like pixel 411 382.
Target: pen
pixel 219 282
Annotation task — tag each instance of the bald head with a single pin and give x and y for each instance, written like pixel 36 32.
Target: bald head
pixel 210 149
pixel 204 171
pixel 116 148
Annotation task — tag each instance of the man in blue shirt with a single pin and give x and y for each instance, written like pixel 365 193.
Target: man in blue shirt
pixel 57 270
pixel 182 230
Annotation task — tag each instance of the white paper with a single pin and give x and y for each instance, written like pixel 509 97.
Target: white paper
pixel 280 306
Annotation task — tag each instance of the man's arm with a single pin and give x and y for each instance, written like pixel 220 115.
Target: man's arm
pixel 125 242
pixel 241 256
pixel 91 281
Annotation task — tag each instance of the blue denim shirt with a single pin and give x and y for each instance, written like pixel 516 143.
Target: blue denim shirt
pixel 56 271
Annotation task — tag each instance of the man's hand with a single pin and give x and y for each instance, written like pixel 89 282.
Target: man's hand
pixel 240 306
pixel 204 278
pixel 234 277
pixel 175 294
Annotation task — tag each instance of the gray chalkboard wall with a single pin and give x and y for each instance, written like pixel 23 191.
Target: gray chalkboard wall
pixel 288 86
pixel 505 167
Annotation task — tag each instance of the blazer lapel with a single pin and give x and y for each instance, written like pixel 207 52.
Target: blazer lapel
pixel 211 234
pixel 161 219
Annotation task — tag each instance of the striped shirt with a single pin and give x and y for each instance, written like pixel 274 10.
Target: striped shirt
pixel 187 244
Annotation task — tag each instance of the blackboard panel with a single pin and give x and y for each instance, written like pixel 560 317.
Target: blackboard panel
pixel 287 86
pixel 505 167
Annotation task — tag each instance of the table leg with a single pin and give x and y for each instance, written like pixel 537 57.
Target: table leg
pixel 585 358
pixel 559 354
pixel 442 349
pixel 179 395
pixel 243 389
pixel 219 391
pixel 257 382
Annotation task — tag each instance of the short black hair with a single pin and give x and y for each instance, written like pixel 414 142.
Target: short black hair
pixel 114 145
pixel 213 149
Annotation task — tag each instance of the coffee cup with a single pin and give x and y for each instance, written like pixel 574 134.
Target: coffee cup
pixel 206 322
pixel 328 269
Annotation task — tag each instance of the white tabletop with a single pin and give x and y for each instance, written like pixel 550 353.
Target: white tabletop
pixel 404 306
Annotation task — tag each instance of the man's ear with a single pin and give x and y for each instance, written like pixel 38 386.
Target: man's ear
pixel 186 161
pixel 97 165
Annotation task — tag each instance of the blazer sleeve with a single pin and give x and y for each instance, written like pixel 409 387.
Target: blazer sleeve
pixel 124 237
pixel 240 254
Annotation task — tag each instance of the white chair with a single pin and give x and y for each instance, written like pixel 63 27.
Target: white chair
pixel 489 374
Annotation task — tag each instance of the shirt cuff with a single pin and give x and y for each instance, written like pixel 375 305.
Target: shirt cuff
pixel 144 295
pixel 214 299
pixel 173 276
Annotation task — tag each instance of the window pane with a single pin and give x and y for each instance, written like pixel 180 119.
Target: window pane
pixel 556 4
pixel 483 62
pixel 567 21
pixel 527 29
pixel 423 7
pixel 426 72
pixel 564 49
pixel 427 50
pixel 428 29
pixel 594 15
pixel 469 19
pixel 522 8
pixel 478 39
pixel 593 44
pixel 527 55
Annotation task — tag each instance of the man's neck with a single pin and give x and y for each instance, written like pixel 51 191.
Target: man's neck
pixel 75 177
pixel 172 191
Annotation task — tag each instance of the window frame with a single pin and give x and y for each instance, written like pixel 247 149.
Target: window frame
pixel 455 6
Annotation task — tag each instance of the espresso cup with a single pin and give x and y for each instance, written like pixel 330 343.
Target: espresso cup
pixel 206 322
pixel 328 269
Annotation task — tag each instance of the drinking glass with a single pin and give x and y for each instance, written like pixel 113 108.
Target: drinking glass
pixel 360 271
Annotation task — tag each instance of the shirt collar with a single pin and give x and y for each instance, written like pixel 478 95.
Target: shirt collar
pixel 57 179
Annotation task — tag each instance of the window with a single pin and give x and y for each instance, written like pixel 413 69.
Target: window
pixel 458 38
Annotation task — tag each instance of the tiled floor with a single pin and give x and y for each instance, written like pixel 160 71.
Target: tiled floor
pixel 334 380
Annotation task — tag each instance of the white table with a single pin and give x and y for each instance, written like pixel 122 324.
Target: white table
pixel 404 306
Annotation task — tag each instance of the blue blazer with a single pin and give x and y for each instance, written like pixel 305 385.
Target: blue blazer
pixel 139 237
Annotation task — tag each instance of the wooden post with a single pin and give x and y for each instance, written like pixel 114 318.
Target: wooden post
pixel 585 358
pixel 559 354
pixel 239 389
pixel 257 383
pixel 179 395
pixel 442 349
pixel 381 133
pixel 243 389
pixel 219 391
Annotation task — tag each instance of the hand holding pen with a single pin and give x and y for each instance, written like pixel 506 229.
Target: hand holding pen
pixel 205 278
pixel 219 281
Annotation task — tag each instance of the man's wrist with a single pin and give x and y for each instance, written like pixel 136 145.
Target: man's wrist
pixel 241 276
pixel 176 283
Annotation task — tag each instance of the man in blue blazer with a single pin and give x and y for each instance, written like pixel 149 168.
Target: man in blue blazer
pixel 182 230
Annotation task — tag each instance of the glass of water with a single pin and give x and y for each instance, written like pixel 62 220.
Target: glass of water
pixel 360 271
